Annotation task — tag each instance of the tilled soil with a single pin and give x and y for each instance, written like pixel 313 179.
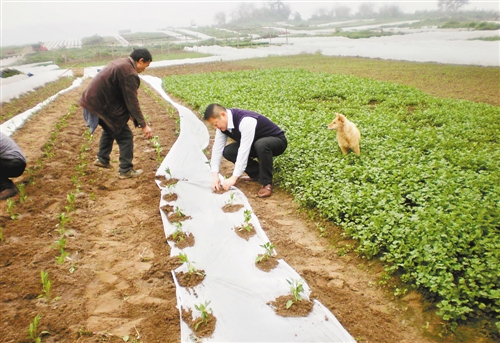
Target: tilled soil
pixel 117 278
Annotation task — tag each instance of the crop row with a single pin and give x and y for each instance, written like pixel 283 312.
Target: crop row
pixel 424 194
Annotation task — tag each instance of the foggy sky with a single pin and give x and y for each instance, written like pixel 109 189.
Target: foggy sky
pixel 25 22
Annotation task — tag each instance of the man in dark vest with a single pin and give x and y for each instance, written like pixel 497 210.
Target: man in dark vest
pixel 110 100
pixel 12 164
pixel 255 137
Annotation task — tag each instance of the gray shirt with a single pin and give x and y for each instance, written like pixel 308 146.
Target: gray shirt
pixel 9 150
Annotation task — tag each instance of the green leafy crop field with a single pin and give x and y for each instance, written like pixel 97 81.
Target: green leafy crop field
pixel 423 196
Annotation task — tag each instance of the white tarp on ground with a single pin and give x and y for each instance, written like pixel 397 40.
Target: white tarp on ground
pixel 237 290
pixel 11 125
pixel 41 75
pixel 426 45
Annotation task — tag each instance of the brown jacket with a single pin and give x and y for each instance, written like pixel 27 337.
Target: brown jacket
pixel 112 95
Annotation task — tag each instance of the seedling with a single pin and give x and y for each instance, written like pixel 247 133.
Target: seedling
pixel 178 234
pixel 179 212
pixel 191 268
pixel 71 199
pixel 247 214
pixel 62 258
pixel 269 251
pixel 170 188
pixel 1 234
pixel 231 199
pixel 168 172
pixel 296 287
pixel 63 220
pixel 61 243
pixel 204 309
pixel 46 285
pixel 22 192
pixel 10 209
pixel 158 148
pixel 33 330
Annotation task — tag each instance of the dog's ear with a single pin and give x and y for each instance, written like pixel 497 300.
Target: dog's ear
pixel 340 117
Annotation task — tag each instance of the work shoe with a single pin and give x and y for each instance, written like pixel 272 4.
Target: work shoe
pixel 9 192
pixel 265 191
pixel 130 174
pixel 98 163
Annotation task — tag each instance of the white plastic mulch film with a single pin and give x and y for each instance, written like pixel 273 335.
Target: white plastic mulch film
pixel 237 290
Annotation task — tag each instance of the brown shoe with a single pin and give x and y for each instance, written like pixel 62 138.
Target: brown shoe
pixel 9 192
pixel 265 191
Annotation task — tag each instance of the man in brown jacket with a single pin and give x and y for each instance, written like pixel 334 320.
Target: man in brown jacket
pixel 110 100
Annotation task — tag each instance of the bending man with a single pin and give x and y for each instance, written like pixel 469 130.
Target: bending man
pixel 110 100
pixel 255 136
pixel 12 164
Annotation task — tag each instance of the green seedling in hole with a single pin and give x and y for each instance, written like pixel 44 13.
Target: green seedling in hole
pixel 178 233
pixel 170 188
pixel 33 330
pixel 1 234
pixel 10 209
pixel 63 220
pixel 61 243
pixel 168 172
pixel 157 145
pixel 46 286
pixel 269 251
pixel 88 136
pixel 62 258
pixel 296 287
pixel 191 268
pixel 232 198
pixel 204 309
pixel 71 199
pixel 22 192
pixel 247 214
pixel 179 212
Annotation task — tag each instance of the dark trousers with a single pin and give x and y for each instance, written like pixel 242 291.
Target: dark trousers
pixel 263 150
pixel 9 169
pixel 125 141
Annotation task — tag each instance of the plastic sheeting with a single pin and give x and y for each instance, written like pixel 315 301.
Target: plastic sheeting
pixel 237 290
pixel 11 125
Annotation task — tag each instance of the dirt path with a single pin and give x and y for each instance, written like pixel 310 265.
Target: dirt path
pixel 116 280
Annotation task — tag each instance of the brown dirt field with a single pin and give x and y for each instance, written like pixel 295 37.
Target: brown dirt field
pixel 117 278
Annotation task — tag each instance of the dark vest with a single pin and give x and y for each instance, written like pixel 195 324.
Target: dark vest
pixel 265 127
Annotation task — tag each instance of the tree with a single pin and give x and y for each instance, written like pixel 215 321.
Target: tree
pixel 390 11
pixel 451 5
pixel 342 12
pixel 366 10
pixel 220 18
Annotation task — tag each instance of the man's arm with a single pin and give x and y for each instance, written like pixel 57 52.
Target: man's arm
pixel 129 90
pixel 217 148
pixel 247 128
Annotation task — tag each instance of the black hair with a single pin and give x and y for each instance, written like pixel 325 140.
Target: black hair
pixel 137 54
pixel 213 111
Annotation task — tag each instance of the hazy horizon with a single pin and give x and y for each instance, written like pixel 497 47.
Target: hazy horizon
pixel 35 21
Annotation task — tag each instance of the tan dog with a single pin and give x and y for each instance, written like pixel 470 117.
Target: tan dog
pixel 348 134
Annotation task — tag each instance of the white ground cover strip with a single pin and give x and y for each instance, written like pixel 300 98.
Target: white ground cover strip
pixel 237 290
pixel 42 74
pixel 11 125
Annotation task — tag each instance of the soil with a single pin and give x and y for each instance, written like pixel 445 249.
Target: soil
pixel 190 280
pixel 231 208
pixel 183 240
pixel 203 329
pixel 244 233
pixel 267 264
pixel 297 309
pixel 117 278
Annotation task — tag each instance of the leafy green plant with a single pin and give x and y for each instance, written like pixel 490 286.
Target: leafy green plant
pixel 1 234
pixel 157 145
pixel 46 286
pixel 296 287
pixel 63 220
pixel 33 334
pixel 232 198
pixel 191 268
pixel 22 192
pixel 62 256
pixel 178 212
pixel 71 197
pixel 167 170
pixel 178 234
pixel 247 214
pixel 10 209
pixel 268 247
pixel 204 314
pixel 411 199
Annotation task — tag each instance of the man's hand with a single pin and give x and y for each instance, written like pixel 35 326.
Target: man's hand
pixel 227 183
pixel 215 182
pixel 148 133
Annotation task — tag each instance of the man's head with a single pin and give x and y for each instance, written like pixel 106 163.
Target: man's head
pixel 216 115
pixel 142 59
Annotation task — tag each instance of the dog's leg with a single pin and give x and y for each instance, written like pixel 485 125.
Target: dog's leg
pixel 344 150
pixel 356 150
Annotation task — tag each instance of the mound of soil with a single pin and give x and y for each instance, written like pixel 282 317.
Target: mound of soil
pixel 200 329
pixel 298 309
pixel 244 233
